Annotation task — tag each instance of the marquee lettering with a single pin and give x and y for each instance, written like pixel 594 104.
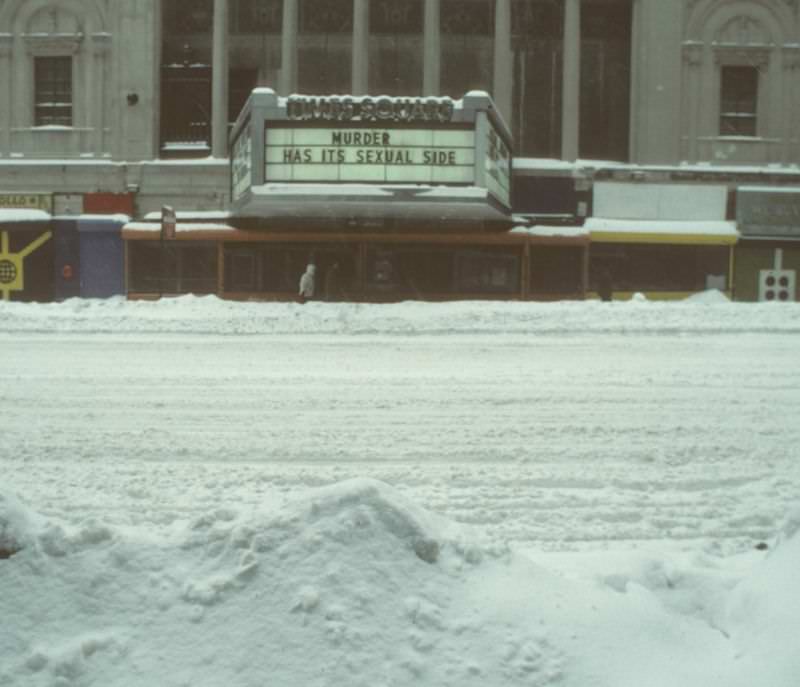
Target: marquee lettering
pixel 368 109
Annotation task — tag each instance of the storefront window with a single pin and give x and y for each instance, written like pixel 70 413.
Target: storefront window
pixel 467 40
pixel 324 46
pixel 409 271
pixel 487 271
pixel 605 79
pixel 271 268
pixel 537 28
pixel 658 267
pixel 395 47
pixel 154 267
pixel 556 270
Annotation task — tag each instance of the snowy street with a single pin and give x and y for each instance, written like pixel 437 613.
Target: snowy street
pixel 164 455
pixel 544 439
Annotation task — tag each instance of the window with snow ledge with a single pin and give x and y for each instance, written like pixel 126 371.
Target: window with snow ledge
pixel 467 46
pixel 53 91
pixel 738 100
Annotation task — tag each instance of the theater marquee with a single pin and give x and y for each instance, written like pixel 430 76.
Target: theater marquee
pixel 362 157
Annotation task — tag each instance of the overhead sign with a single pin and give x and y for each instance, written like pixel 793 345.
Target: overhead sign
pixel 368 109
pixel 12 272
pixel 168 221
pixel 27 201
pixel 366 155
pixel 242 164
pixel 498 168
pixel 768 212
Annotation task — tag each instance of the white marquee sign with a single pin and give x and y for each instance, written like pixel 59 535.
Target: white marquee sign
pixel 370 155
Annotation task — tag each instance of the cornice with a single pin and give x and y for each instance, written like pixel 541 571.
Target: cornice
pixel 52 43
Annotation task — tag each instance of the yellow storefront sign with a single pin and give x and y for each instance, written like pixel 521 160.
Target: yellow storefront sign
pixel 12 273
pixel 27 201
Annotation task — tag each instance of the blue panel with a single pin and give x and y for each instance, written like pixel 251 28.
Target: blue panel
pixel 102 258
pixel 67 263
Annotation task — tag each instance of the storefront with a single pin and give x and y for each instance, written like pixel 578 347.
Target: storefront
pixel 768 255
pixel 45 256
pixel 26 247
pixel 242 264
pixel 664 240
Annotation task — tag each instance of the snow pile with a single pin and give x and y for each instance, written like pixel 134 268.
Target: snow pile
pixel 709 297
pixel 15 525
pixel 764 613
pixel 353 584
pixel 211 315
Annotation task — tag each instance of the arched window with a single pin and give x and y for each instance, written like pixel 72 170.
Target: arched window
pixel 738 83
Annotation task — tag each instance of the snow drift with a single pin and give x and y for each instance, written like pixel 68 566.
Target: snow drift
pixel 353 584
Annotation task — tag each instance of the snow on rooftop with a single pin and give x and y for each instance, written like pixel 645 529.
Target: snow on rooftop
pixel 90 217
pixel 155 216
pixel 187 226
pixel 794 190
pixel 649 226
pixel 24 215
pixel 551 230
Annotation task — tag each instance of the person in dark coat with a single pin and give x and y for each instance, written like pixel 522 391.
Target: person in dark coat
pixel 605 288
pixel 333 283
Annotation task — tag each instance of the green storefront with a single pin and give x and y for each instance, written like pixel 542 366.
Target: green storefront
pixel 768 253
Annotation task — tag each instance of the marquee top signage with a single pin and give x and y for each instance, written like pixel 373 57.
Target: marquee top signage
pixel 368 109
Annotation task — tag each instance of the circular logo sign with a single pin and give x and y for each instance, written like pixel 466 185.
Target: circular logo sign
pixel 8 272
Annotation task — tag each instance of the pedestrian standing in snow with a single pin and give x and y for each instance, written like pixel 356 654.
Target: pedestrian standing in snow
pixel 604 285
pixel 307 284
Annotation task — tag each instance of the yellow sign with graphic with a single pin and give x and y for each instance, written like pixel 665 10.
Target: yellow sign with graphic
pixel 27 201
pixel 12 273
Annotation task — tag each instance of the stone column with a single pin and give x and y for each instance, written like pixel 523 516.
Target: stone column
pixel 219 85
pixel 571 103
pixel 289 47
pixel 101 43
pixel 503 58
pixel 431 55
pixel 639 95
pixel 360 74
pixel 6 43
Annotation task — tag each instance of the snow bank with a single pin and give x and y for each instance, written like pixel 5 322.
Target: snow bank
pixel 764 613
pixel 353 584
pixel 709 312
pixel 15 525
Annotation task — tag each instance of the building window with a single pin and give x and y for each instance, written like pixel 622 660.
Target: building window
pixel 537 33
pixel 324 46
pixel 467 46
pixel 606 30
pixel 396 47
pixel 53 93
pixel 172 268
pixel 738 99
